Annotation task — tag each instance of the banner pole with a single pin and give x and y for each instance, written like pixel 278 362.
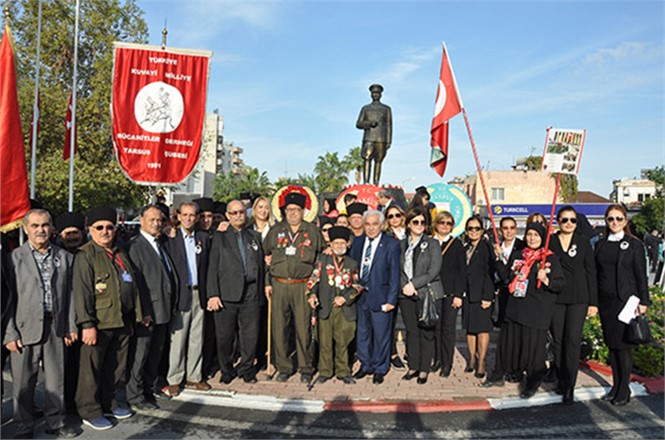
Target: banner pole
pixel 550 223
pixel 72 143
pixel 35 107
pixel 480 175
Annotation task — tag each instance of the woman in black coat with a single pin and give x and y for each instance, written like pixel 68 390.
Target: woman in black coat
pixel 476 311
pixel 622 272
pixel 420 262
pixel 452 274
pixel 523 337
pixel 577 300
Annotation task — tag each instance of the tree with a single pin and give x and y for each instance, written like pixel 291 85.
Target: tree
pixel 353 162
pixel 330 173
pixel 652 213
pixel 229 186
pixel 568 183
pixel 98 178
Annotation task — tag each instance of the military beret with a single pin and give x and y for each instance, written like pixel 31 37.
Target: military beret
pixel 100 213
pixel 339 232
pixel 356 208
pixel 69 220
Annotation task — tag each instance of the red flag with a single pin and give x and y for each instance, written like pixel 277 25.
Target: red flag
pixel 448 104
pixel 15 200
pixel 68 131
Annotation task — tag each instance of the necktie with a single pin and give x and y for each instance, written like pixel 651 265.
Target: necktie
pixel 162 255
pixel 366 260
pixel 241 247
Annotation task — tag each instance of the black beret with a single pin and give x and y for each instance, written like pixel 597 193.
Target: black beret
pixel 100 213
pixel 295 198
pixel 377 87
pixel 356 208
pixel 68 220
pixel 339 232
pixel 205 204
pixel 219 207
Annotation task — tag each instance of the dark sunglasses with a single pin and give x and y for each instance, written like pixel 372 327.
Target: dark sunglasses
pixel 616 219
pixel 102 227
pixel 445 222
pixel 418 222
pixel 391 216
pixel 565 220
pixel 474 228
pixel 326 229
pixel 236 212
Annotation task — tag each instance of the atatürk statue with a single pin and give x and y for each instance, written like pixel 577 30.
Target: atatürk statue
pixel 377 121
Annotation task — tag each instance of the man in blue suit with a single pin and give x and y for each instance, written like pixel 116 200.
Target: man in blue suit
pixel 378 257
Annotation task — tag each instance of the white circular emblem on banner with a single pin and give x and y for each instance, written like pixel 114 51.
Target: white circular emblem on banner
pixel 159 107
pixel 440 99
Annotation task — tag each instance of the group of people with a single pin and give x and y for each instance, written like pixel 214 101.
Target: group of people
pixel 174 303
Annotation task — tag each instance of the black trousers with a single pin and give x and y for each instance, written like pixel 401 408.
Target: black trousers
pixel 72 360
pixel 566 330
pixel 101 369
pixel 210 361
pixel 240 319
pixel 445 332
pixel 147 347
pixel 621 362
pixel 419 340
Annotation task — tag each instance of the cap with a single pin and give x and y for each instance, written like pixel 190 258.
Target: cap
pixel 339 232
pixel 69 220
pixel 356 208
pixel 295 198
pixel 100 213
pixel 376 88
pixel 205 204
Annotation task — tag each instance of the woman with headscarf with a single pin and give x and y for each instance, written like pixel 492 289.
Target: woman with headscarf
pixel 523 336
pixel 420 262
pixel 453 277
pixel 622 272
pixel 577 300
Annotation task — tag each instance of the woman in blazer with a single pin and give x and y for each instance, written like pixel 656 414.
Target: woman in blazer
pixel 453 278
pixel 622 272
pixel 476 311
pixel 577 300
pixel 420 263
pixel 523 337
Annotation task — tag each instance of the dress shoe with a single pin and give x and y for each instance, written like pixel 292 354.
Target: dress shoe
pixel 436 366
pixel 378 378
pixel 159 394
pixel 468 369
pixel 410 375
pixel 63 432
pixel 201 386
pixel 250 378
pixel 397 363
pixel 551 375
pixel 283 377
pixel 492 383
pixel 514 378
pixel 445 371
pixel 568 398
pixel 559 390
pixel 527 394
pixel 226 379
pixel 479 375
pixel 305 378
pixel 172 390
pixel 609 396
pixel 360 374
pixel 621 402
pixel 422 380
pixel 349 380
pixel 322 379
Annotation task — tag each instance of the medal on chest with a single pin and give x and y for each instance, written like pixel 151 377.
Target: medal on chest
pixel 572 251
pixel 624 245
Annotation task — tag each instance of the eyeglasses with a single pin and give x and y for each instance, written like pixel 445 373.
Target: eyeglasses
pixel 474 228
pixel 234 213
pixel 615 219
pixel 565 220
pixel 326 229
pixel 418 222
pixel 392 216
pixel 102 227
pixel 445 222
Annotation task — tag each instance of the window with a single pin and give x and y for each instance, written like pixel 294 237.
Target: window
pixel 497 194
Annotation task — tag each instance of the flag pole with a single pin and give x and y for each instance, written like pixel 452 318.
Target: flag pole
pixel 72 143
pixel 480 175
pixel 550 223
pixel 35 107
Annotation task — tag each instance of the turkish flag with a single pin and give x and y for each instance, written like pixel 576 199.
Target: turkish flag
pixel 68 131
pixel 448 104
pixel 15 200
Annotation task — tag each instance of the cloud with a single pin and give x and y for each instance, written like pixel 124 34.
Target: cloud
pixel 407 62
pixel 629 51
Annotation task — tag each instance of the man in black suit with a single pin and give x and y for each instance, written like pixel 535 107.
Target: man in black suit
pixel 235 292
pixel 157 284
pixel 188 250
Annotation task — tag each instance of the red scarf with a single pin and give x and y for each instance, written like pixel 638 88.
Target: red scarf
pixel 523 266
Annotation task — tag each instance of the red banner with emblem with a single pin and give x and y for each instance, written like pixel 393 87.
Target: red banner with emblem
pixel 158 111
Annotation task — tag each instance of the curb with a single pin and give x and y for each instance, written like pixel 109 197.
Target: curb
pixel 654 385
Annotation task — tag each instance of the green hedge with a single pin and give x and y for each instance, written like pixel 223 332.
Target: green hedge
pixel 649 358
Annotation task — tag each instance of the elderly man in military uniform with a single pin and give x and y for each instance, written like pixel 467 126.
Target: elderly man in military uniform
pixel 293 246
pixel 377 121
pixel 332 289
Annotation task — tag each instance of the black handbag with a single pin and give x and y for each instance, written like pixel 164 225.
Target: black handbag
pixel 638 331
pixel 427 313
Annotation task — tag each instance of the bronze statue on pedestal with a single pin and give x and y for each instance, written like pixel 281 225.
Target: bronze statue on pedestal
pixel 377 122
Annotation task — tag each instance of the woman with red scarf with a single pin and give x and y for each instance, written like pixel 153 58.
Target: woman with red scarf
pixel 530 307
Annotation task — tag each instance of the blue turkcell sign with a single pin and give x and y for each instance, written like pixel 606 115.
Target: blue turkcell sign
pixel 588 209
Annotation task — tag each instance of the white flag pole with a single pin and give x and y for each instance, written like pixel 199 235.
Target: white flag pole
pixel 35 107
pixel 72 143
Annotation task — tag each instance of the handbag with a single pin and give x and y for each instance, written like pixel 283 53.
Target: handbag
pixel 427 313
pixel 638 331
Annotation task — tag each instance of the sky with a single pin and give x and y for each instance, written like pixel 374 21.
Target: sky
pixel 290 77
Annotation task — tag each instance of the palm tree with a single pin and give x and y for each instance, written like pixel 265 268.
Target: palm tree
pixel 353 161
pixel 330 173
